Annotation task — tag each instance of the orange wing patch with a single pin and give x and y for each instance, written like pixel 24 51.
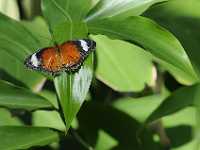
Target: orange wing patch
pixel 69 54
pixel 50 60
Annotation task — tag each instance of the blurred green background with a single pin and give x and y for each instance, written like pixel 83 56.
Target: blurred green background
pixel 145 90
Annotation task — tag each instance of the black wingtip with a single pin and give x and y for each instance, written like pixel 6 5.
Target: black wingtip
pixel 91 44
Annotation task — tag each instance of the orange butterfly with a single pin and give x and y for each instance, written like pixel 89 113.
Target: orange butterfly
pixel 68 56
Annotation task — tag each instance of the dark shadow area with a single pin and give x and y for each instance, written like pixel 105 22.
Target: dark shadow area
pixel 170 82
pixel 179 135
pixel 70 142
pixel 123 128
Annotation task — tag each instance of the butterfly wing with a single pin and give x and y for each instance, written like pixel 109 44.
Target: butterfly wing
pixel 68 56
pixel 75 52
pixel 46 59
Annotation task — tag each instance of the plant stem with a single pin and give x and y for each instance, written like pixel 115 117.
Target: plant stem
pixel 157 125
pixel 80 140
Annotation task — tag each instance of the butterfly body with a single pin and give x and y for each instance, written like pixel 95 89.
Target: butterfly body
pixel 68 56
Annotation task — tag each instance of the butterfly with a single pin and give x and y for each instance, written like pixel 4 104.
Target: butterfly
pixel 68 56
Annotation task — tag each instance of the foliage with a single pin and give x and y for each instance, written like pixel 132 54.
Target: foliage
pixel 138 90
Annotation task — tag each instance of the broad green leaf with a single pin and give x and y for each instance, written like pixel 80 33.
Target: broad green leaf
pixel 67 10
pixel 120 8
pixel 51 97
pixel 172 9
pixel 181 98
pixel 39 29
pixel 158 41
pixel 12 96
pixel 16 43
pixel 72 90
pixel 13 138
pixel 67 24
pixel 119 64
pixel 49 119
pixel 6 119
pixel 182 19
pixel 77 9
pixel 139 108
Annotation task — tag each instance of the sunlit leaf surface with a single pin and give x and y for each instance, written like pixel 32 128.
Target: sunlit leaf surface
pixel 119 64
pixel 158 41
pixel 120 8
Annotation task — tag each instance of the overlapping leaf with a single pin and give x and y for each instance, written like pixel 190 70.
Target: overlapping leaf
pixel 7 119
pixel 13 137
pixel 184 97
pixel 15 97
pixel 162 44
pixel 183 21
pixel 119 64
pixel 51 119
pixel 120 8
pixel 16 43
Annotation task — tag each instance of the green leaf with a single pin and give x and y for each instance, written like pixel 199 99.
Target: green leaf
pixel 51 97
pixel 39 29
pixel 105 141
pixel 71 88
pixel 183 20
pixel 119 64
pixel 7 119
pixel 120 8
pixel 13 138
pixel 161 43
pixel 49 119
pixel 67 23
pixel 139 108
pixel 67 10
pixel 16 43
pixel 181 98
pixel 12 96
pixel 185 116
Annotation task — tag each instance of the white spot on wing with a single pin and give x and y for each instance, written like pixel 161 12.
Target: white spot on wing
pixel 34 60
pixel 84 45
